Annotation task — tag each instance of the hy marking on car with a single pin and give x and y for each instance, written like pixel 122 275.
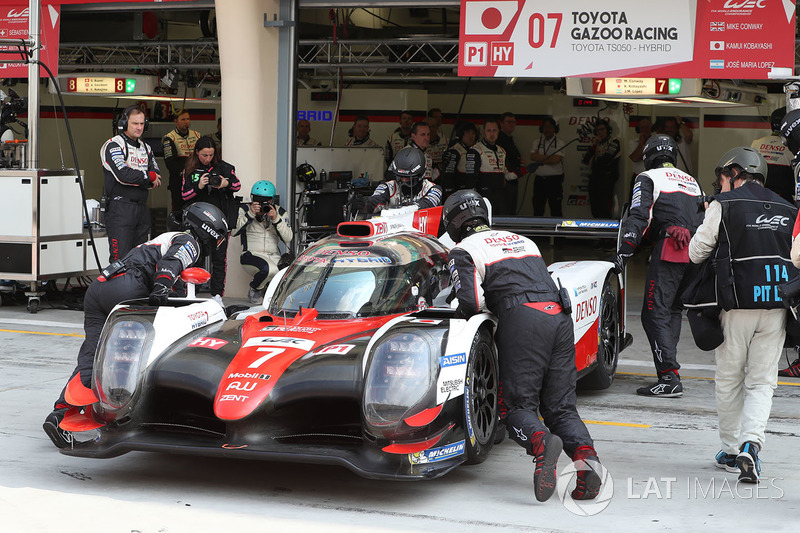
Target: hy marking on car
pixel 208 342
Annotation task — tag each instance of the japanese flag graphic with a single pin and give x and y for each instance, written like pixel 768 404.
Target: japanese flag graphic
pixel 489 18
pixel 717 45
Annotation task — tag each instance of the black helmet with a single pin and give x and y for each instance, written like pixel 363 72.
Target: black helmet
pixel 776 118
pixel 306 173
pixel 461 207
pixel 790 130
pixel 206 223
pixel 659 149
pixel 748 159
pixel 408 165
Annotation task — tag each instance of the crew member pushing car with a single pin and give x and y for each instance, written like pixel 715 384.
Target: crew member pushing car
pixel 149 270
pixel 504 273
pixel 666 206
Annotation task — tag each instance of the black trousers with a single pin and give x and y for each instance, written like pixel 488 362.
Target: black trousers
pixel 601 195
pixel 662 307
pixel 100 299
pixel 510 196
pixel 548 189
pixel 219 267
pixel 537 371
pixel 127 226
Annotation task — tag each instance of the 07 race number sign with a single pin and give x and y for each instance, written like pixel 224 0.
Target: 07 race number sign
pixel 742 39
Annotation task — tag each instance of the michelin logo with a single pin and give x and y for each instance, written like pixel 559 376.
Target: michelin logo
pixel 438 454
pixel 452 360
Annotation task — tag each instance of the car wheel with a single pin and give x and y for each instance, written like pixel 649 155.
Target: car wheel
pixel 480 398
pixel 608 335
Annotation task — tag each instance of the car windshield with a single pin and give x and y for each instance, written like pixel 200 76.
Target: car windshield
pixel 340 286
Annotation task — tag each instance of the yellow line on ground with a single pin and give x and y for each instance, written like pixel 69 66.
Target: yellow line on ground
pixel 42 333
pixel 789 383
pixel 623 424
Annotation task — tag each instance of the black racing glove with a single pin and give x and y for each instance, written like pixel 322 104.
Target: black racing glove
pixel 357 203
pixel 621 259
pixel 160 294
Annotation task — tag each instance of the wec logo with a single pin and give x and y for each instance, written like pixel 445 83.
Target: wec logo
pixel 744 4
pixel 773 220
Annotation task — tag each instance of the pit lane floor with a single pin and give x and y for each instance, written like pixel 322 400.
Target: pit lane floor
pixel 658 452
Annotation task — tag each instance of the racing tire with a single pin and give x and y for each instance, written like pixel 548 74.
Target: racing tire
pixel 480 398
pixel 608 337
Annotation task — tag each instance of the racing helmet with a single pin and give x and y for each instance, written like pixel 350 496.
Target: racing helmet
pixel 748 159
pixel 206 223
pixel 776 118
pixel 408 166
pixel 306 173
pixel 658 150
pixel 461 207
pixel 790 130
pixel 263 188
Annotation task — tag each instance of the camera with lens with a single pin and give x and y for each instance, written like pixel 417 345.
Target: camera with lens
pixel 266 206
pixel 214 179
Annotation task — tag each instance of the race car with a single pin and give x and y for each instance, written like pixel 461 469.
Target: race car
pixel 355 358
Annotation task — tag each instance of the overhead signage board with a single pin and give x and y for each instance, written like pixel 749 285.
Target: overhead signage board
pixel 14 25
pixel 740 39
pixel 100 84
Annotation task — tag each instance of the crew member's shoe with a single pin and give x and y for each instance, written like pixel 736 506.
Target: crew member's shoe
pixel 668 386
pixel 217 298
pixel 792 371
pixel 60 437
pixel 254 295
pixel 500 431
pixel 749 464
pixel 546 449
pixel 726 461
pixel 588 481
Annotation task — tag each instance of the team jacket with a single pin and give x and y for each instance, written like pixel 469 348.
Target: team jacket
pixel 389 193
pixel 436 150
pixel 454 168
pixel 310 142
pixel 662 197
pixel 262 236
pixel 779 163
pixel 487 164
pixel 498 270
pixel 366 142
pixel 431 173
pixel 513 156
pixel 126 167
pixel 177 149
pixel 755 240
pixel 395 143
pixel 603 159
pixel 222 198
pixel 164 258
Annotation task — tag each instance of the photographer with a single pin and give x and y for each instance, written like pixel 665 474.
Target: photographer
pixel 207 178
pixel 261 225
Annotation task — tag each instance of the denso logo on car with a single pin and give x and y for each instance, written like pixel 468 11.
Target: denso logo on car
pixel 452 360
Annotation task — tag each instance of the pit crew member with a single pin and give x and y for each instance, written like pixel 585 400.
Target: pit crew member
pixel 748 230
pixel 666 206
pixel 505 273
pixel 148 271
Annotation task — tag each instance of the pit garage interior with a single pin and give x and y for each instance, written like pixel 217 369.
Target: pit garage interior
pixel 334 61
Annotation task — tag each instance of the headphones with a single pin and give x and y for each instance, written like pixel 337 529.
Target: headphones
pixel 603 122
pixel 552 121
pixel 122 120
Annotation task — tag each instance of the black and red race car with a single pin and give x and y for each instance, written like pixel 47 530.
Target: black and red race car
pixel 354 359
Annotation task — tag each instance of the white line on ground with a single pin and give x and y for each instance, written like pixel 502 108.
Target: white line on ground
pixel 41 323
pixel 687 366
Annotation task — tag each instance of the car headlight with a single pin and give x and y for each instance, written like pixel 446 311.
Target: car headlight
pixel 402 370
pixel 120 361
